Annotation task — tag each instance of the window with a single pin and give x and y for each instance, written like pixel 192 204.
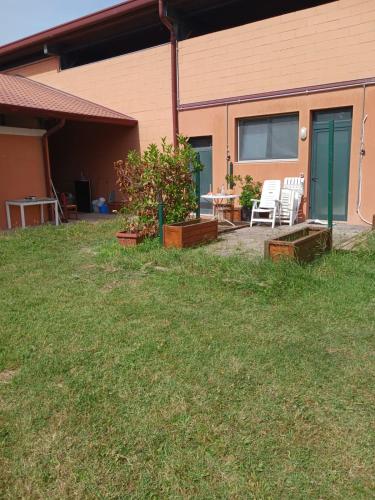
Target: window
pixel 270 138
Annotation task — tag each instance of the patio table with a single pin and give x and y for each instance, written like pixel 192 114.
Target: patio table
pixel 28 202
pixel 217 200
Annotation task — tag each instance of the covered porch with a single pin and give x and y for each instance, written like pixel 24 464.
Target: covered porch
pixel 81 162
pixel 50 140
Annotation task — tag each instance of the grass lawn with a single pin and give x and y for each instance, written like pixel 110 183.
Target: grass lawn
pixel 178 374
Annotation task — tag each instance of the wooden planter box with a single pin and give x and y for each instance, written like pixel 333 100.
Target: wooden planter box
pixel 231 213
pixel 129 239
pixel 302 245
pixel 189 233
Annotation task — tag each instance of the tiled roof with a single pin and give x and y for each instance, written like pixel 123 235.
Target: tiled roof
pixel 22 94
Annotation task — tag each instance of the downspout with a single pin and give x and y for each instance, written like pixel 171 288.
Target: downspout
pixel 173 40
pixel 47 162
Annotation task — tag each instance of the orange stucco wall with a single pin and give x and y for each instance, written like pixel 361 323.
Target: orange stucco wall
pixel 329 43
pixel 368 184
pixel 21 174
pixel 89 149
pixel 213 121
pixel 49 65
pixel 137 84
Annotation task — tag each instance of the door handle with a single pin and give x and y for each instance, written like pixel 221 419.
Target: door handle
pixel 315 179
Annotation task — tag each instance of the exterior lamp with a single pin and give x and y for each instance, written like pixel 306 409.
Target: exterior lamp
pixel 303 133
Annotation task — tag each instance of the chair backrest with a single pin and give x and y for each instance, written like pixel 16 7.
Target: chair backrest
pixel 287 201
pixel 270 193
pixel 294 183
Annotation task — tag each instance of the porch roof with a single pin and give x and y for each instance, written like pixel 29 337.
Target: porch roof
pixel 20 94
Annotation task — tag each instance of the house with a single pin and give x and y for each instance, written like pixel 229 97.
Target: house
pixel 256 84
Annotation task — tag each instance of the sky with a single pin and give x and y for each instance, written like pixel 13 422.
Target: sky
pixel 20 18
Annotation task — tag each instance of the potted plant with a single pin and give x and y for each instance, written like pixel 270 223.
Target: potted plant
pixel 137 216
pixel 180 198
pixel 250 191
pixel 230 212
pixel 162 178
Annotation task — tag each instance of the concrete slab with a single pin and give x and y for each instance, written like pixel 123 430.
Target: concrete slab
pixel 250 241
pixel 92 217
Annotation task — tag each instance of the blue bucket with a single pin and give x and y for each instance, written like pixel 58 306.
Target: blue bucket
pixel 104 209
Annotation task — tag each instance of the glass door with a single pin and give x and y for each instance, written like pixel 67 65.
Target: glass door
pixel 203 146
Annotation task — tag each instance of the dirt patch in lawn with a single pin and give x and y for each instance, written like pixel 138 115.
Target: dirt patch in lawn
pixel 7 375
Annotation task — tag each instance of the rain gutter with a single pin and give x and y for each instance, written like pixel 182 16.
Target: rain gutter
pixel 46 156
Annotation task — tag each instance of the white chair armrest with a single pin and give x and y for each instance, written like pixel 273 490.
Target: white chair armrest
pixel 255 203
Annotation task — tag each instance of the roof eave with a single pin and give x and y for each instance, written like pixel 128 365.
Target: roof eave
pixel 74 26
pixel 43 113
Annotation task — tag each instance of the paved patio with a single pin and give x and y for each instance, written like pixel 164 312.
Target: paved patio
pixel 250 241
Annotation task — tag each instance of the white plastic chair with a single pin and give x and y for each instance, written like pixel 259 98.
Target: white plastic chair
pixel 289 206
pixel 294 183
pixel 291 196
pixel 269 203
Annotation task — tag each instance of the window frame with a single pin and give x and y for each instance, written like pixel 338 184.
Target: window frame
pixel 267 160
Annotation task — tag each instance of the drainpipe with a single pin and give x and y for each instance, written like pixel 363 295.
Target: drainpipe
pixel 47 163
pixel 173 40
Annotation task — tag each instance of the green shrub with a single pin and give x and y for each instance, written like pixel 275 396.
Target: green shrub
pixel 161 174
pixel 250 191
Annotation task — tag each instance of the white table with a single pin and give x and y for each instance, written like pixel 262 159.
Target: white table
pixel 25 202
pixel 217 200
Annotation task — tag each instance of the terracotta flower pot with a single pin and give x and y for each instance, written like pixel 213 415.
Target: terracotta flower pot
pixel 129 239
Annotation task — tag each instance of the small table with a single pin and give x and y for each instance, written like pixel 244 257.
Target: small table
pixel 217 200
pixel 26 202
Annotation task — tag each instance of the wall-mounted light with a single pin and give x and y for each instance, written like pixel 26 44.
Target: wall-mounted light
pixel 303 133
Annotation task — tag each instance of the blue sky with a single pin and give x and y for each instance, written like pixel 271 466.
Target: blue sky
pixel 20 18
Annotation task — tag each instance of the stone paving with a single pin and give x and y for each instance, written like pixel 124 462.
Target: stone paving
pixel 250 241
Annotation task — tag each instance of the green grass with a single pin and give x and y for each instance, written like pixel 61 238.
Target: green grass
pixel 148 373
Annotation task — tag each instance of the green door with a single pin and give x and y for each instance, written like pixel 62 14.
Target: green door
pixel 342 119
pixel 203 146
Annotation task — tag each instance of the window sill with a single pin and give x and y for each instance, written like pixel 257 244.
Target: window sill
pixel 289 160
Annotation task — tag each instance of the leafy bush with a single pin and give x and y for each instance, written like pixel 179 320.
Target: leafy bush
pixel 163 174
pixel 250 191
